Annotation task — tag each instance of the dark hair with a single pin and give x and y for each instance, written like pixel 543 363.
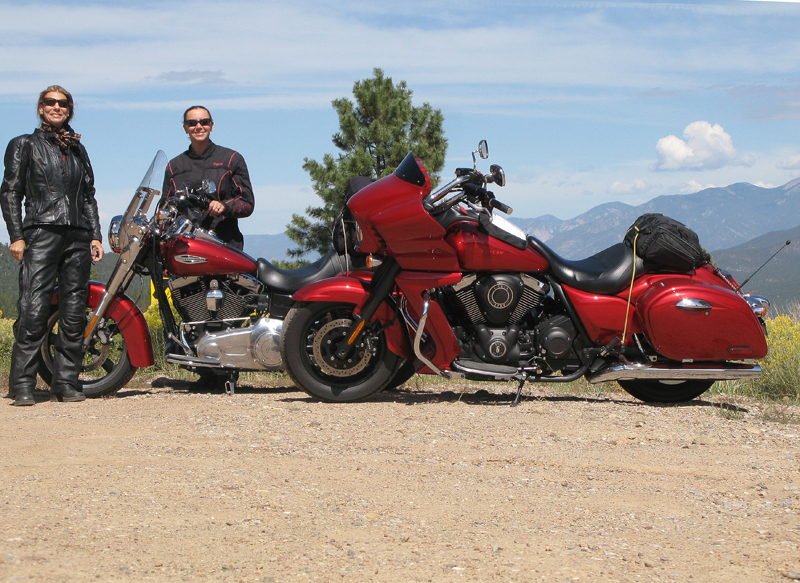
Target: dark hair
pixel 65 93
pixel 198 107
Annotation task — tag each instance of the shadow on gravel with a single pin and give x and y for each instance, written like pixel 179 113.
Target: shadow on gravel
pixel 192 386
pixel 485 398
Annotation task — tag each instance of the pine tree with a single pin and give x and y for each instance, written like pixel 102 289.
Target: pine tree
pixel 376 133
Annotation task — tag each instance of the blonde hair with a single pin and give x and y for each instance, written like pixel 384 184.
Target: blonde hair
pixel 56 89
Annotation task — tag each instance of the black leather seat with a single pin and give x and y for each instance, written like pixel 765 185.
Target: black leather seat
pixel 288 281
pixel 606 272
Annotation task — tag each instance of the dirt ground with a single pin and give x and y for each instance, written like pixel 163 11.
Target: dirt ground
pixel 417 485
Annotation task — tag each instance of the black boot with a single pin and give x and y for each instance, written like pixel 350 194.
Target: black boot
pixel 68 395
pixel 24 397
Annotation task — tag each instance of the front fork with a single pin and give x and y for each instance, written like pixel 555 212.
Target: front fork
pixel 117 283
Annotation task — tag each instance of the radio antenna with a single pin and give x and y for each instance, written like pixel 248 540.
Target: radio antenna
pixel 767 261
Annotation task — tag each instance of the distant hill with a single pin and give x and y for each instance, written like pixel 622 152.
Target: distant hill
pixel 779 280
pixel 722 218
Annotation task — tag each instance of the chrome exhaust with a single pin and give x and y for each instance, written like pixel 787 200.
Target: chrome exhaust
pixel 685 372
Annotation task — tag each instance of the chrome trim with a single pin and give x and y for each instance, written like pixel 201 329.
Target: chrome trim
pixel 190 259
pixel 487 374
pixel 693 304
pixel 759 304
pixel 419 331
pixel 625 372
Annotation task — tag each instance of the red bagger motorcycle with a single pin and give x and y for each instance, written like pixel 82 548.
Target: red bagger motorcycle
pixel 230 306
pixel 464 294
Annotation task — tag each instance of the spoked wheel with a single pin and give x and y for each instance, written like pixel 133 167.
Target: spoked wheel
pixel 665 391
pixel 106 365
pixel 312 334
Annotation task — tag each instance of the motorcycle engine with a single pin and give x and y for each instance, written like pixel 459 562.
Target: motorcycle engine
pixel 495 312
pixel 232 295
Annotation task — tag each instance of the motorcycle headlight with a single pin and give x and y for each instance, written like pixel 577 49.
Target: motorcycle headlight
pixel 113 234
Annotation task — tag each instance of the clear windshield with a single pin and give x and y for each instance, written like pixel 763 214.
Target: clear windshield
pixel 149 188
pixel 155 174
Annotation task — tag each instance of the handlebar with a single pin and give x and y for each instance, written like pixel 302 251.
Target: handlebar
pixel 503 208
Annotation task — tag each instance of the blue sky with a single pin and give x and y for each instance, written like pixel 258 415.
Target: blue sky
pixel 581 102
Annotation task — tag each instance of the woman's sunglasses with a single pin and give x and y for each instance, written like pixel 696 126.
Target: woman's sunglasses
pixel 63 103
pixel 205 122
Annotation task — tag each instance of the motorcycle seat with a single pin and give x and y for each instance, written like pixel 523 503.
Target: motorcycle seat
pixel 606 272
pixel 288 281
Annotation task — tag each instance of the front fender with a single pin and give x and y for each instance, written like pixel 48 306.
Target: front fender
pixel 350 290
pixel 131 321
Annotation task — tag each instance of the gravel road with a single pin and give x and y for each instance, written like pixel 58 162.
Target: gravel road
pixel 417 485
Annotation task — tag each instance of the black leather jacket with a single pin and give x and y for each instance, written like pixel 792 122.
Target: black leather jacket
pixel 56 188
pixel 228 170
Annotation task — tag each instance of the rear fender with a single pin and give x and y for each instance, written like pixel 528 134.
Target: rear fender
pixel 355 291
pixel 131 320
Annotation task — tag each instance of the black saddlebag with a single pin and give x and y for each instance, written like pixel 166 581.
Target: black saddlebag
pixel 667 242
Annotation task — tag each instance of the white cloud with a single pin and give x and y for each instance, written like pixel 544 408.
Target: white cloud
pixel 693 186
pixel 791 163
pixel 635 187
pixel 705 147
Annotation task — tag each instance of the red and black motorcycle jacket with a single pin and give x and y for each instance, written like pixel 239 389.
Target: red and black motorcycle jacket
pixel 55 187
pixel 228 170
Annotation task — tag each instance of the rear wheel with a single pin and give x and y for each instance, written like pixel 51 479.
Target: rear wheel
pixel 312 332
pixel 106 365
pixel 665 391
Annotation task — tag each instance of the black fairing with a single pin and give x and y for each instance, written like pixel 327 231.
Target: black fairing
pixel 410 171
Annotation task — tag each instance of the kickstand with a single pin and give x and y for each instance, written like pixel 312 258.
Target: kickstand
pixel 230 384
pixel 515 402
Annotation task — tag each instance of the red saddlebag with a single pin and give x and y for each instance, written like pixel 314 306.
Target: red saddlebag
pixel 667 242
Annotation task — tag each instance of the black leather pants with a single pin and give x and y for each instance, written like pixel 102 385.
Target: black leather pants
pixel 52 253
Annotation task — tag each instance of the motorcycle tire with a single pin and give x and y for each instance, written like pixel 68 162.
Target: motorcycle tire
pixel 403 374
pixel 106 367
pixel 662 391
pixel 311 331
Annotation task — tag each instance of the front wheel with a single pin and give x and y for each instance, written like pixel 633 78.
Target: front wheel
pixel 665 391
pixel 106 365
pixel 312 332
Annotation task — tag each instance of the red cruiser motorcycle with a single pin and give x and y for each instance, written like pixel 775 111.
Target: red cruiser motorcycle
pixel 464 294
pixel 230 306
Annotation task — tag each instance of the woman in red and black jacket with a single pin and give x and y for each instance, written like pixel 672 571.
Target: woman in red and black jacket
pixel 226 168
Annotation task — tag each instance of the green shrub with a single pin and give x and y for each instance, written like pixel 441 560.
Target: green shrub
pixel 781 368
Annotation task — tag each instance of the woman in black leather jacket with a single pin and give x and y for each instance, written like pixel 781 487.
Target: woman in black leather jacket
pixel 48 172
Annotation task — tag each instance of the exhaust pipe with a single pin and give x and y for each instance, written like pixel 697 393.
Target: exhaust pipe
pixel 690 371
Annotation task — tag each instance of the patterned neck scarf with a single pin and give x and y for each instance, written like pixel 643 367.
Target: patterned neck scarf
pixel 64 136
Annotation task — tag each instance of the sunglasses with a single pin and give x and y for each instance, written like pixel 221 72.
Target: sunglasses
pixel 63 103
pixel 205 122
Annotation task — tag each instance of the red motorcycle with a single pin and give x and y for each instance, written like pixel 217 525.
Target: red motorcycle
pixel 462 293
pixel 230 306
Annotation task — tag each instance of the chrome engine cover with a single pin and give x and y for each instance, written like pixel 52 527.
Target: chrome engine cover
pixel 255 347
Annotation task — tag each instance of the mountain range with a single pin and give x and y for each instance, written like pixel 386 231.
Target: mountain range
pixel 721 217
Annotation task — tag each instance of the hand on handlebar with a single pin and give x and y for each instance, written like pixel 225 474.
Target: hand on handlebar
pixel 215 208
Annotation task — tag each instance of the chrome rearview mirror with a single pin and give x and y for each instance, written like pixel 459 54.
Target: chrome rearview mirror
pixel 482 151
pixel 498 175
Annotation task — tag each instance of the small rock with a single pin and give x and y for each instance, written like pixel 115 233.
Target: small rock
pixel 793 575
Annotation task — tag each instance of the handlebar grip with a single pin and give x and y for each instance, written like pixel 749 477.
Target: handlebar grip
pixel 503 208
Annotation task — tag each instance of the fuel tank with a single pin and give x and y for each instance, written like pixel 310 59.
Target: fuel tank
pixel 189 255
pixel 477 251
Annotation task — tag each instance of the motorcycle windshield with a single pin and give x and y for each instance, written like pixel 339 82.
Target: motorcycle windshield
pixel 154 178
pixel 149 188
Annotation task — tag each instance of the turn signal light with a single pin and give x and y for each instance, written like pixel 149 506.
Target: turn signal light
pixel 373 261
